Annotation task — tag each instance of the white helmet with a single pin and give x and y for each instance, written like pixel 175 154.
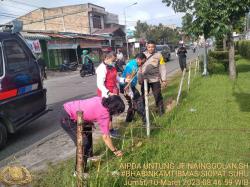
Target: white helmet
pixel 181 42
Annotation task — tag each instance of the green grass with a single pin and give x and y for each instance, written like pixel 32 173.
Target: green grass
pixel 218 131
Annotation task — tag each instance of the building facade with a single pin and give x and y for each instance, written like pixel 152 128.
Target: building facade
pixel 73 29
pixel 83 18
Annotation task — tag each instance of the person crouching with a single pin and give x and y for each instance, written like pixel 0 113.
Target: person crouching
pixel 95 109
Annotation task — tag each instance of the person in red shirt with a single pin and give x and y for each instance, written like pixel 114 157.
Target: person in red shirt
pixel 107 77
pixel 108 80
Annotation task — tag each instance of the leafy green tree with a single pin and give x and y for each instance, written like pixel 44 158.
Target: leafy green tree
pixel 187 23
pixel 196 22
pixel 231 14
pixel 220 16
pixel 158 33
pixel 141 29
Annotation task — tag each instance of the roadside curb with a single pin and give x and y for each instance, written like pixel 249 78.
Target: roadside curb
pixel 23 152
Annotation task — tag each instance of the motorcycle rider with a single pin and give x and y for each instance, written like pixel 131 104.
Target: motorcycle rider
pixel 87 63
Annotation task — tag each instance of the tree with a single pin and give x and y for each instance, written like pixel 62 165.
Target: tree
pixel 160 33
pixel 187 23
pixel 230 14
pixel 141 29
pixel 196 21
pixel 220 16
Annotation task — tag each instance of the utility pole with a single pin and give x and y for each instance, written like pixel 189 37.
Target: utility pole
pixel 45 28
pixel 126 26
pixel 63 23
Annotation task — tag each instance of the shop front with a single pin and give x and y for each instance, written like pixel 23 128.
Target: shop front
pixel 61 51
pixel 93 46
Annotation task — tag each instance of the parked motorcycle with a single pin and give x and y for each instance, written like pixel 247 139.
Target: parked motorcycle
pixel 69 66
pixel 87 69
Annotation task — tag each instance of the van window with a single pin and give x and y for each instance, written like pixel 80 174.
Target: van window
pixel 1 62
pixel 158 48
pixel 17 59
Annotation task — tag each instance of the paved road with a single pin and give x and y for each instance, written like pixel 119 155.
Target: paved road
pixel 59 90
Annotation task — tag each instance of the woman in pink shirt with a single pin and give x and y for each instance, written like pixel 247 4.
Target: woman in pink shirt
pixel 95 109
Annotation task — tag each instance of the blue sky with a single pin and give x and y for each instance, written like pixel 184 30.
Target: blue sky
pixel 151 11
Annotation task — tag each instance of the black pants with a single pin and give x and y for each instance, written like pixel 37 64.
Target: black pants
pixel 156 89
pixel 182 62
pixel 135 104
pixel 70 128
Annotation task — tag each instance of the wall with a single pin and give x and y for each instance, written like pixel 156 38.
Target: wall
pixel 62 19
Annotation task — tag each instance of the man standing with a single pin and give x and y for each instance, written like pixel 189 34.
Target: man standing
pixel 120 61
pixel 119 55
pixel 42 65
pixel 182 56
pixel 154 70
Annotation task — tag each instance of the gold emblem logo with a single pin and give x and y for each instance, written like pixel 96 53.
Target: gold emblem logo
pixel 15 175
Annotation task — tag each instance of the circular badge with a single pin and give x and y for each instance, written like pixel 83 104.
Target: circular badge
pixel 15 175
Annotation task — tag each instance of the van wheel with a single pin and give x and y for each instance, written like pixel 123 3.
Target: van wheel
pixel 3 136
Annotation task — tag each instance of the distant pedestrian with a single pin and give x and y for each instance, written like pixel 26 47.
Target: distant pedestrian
pixel 42 64
pixel 182 51
pixel 120 61
pixel 119 55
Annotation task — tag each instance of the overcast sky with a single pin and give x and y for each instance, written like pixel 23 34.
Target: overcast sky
pixel 151 11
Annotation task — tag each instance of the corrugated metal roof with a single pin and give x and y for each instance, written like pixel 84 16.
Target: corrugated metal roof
pixel 35 36
pixel 48 36
pixel 58 35
pixel 91 38
pixel 108 30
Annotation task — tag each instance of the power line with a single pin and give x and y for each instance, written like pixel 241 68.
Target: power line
pixel 2 4
pixel 46 23
pixel 22 3
pixel 8 14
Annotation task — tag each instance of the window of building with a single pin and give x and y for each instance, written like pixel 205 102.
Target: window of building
pixel 1 62
pixel 16 57
pixel 97 23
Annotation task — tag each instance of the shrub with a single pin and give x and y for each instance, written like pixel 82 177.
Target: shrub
pixel 243 48
pixel 220 57
pixel 219 44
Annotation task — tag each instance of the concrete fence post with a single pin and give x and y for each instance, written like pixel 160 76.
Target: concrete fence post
pixel 189 74
pixel 180 88
pixel 146 107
